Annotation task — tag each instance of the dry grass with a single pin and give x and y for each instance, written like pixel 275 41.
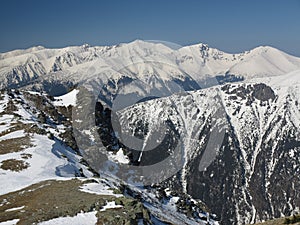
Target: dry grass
pixel 28 128
pixel 272 222
pixel 14 165
pixel 15 144
pixel 10 108
pixel 15 126
pixel 47 200
pixel 26 156
pixel 20 143
pixel 52 199
pixel 279 221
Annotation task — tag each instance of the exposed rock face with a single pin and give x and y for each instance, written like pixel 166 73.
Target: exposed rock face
pixel 254 173
pixel 263 92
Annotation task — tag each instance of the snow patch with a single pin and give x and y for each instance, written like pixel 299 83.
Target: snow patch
pixel 119 157
pixel 111 205
pixel 15 209
pixel 15 134
pixel 67 99
pixel 47 162
pixel 10 222
pixel 98 188
pixel 80 219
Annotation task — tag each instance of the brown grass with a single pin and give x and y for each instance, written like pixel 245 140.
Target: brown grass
pixel 28 128
pixel 279 221
pixel 14 165
pixel 20 143
pixel 15 144
pixel 52 199
pixel 10 108
pixel 26 156
pixel 48 200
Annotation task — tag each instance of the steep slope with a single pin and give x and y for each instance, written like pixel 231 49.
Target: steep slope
pixel 241 146
pixel 41 166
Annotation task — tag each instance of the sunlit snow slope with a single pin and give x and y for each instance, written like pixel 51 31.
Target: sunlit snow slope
pixel 155 64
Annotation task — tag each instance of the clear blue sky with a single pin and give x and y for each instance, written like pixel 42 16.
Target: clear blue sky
pixel 230 25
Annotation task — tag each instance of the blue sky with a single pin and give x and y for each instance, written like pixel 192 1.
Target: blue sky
pixel 229 25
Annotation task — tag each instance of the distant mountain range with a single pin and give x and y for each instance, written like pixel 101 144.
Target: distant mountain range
pixel 154 64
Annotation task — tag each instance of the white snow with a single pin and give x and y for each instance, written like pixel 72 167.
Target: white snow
pixel 100 188
pixel 89 133
pixel 111 205
pixel 80 219
pixel 67 99
pixel 48 159
pixel 34 93
pixel 119 157
pixel 152 63
pixel 15 134
pixel 10 222
pixel 254 125
pixel 172 202
pixel 14 209
pixel 25 115
pixel 262 64
pixel 4 127
pixel 46 163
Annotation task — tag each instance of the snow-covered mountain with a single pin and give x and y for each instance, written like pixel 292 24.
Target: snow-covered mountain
pixel 43 171
pixel 155 65
pixel 241 145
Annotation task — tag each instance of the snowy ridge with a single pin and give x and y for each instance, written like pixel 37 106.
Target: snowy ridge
pixel 149 62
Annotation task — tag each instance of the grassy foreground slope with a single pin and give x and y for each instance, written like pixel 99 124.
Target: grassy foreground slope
pixel 53 198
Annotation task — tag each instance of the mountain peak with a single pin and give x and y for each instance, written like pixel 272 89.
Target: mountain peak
pixel 198 45
pixel 263 48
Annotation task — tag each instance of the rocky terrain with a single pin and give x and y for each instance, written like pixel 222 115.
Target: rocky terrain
pixel 240 146
pixel 48 179
pixel 256 161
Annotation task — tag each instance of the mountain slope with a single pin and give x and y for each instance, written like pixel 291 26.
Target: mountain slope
pixel 241 146
pixel 41 165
